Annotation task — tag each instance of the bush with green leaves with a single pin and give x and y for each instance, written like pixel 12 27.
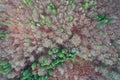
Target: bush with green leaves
pixel 62 56
pixel 5 67
pixel 47 65
pixel 27 75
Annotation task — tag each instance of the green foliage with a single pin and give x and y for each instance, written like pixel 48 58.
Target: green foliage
pixel 47 65
pixel 105 34
pixel 85 5
pixel 32 22
pixel 62 29
pixel 100 46
pixel 34 65
pixel 71 18
pixel 73 6
pixel 27 74
pixel 45 62
pixel 117 42
pixel 36 23
pixel 2 8
pixel 53 51
pixel 28 2
pixel 62 55
pixel 64 51
pixel 52 8
pixel 48 23
pixel 42 17
pixel 44 21
pixel 3 23
pixel 43 77
pixel 5 67
pixel 100 26
pixel 70 2
pixel 54 12
pixel 3 35
pixel 51 72
pixel 27 40
pixel 50 52
pixel 102 18
pixel 114 75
